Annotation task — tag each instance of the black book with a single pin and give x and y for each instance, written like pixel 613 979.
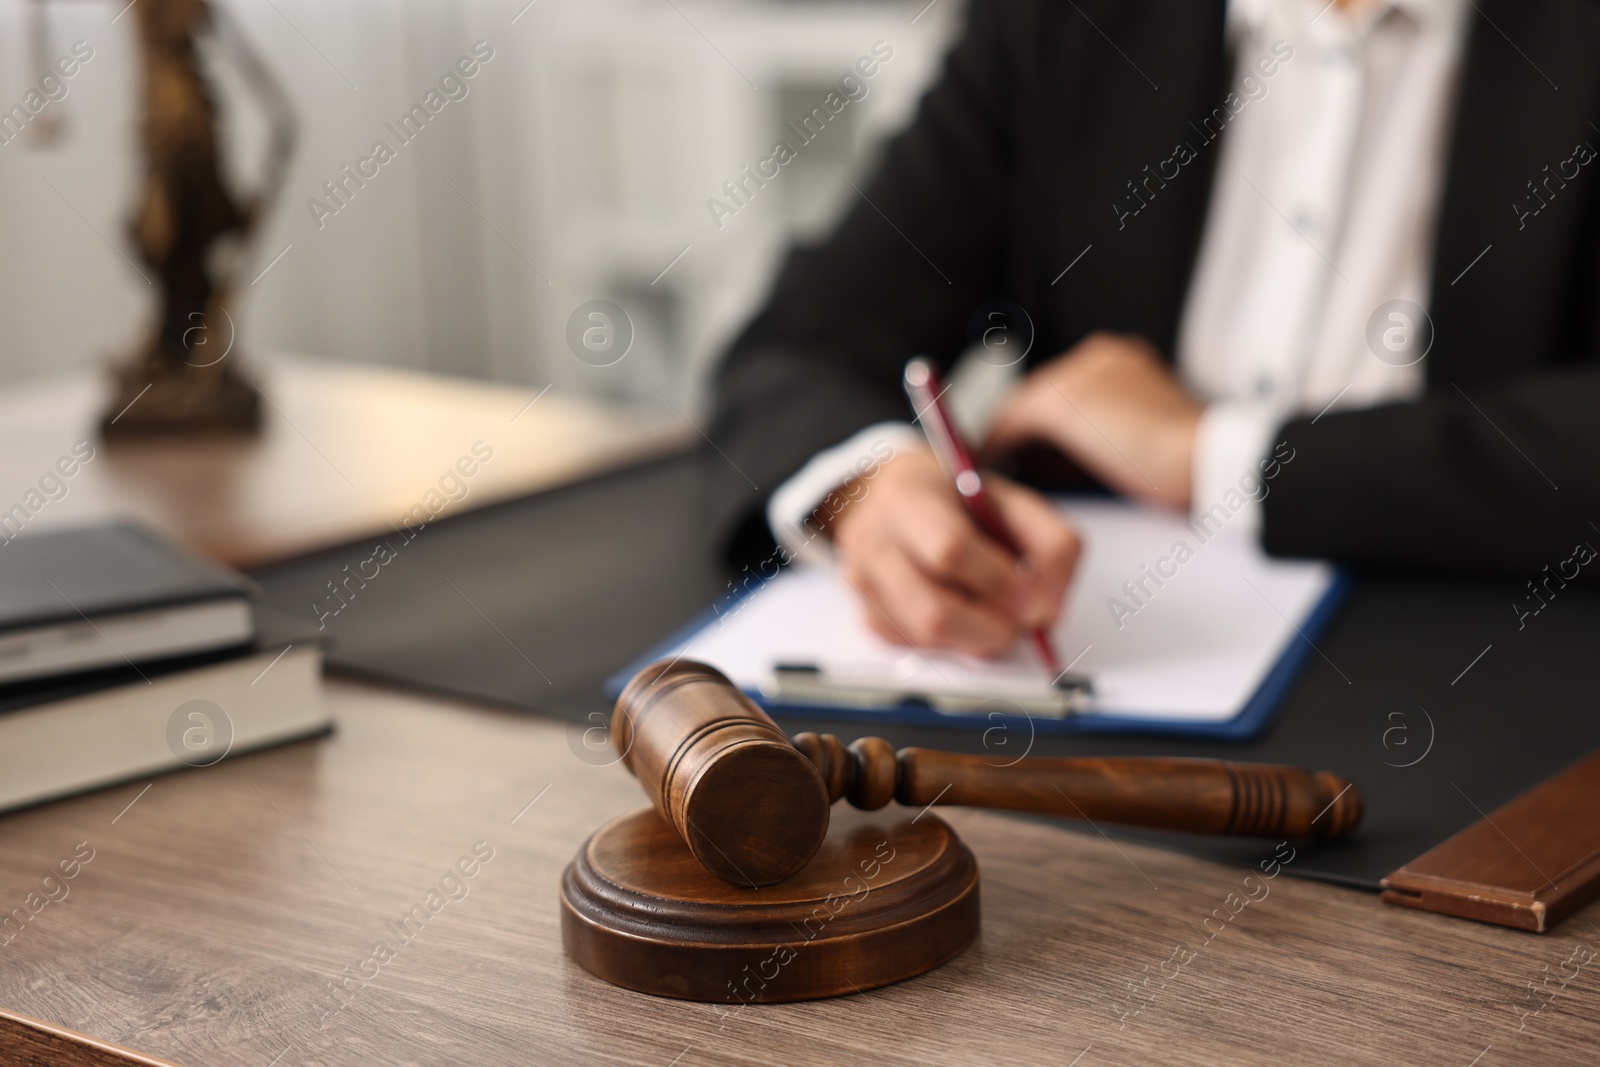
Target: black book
pixel 112 595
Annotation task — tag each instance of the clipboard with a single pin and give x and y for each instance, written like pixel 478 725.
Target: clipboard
pixel 1318 589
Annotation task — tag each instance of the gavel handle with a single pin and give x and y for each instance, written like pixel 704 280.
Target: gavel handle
pixel 1198 795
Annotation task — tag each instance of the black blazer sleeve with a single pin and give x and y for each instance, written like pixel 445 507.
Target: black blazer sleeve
pixel 1500 478
pixel 1496 468
pixel 921 246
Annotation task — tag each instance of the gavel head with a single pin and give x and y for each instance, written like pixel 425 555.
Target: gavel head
pixel 751 807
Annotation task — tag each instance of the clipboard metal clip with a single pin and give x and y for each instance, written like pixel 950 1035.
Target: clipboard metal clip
pixel 808 685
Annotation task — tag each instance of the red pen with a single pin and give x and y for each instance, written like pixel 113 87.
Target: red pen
pixel 927 400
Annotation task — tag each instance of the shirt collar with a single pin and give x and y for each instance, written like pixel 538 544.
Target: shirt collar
pixel 1252 15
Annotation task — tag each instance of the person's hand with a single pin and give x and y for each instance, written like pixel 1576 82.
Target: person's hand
pixel 931 578
pixel 1112 405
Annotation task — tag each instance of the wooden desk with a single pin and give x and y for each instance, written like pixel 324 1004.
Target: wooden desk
pixel 222 902
pixel 345 451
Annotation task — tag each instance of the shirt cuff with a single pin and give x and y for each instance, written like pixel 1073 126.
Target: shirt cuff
pixel 1229 463
pixel 801 497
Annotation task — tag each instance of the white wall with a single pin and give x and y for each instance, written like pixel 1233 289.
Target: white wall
pixel 581 159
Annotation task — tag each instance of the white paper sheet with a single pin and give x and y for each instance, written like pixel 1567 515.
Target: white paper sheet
pixel 1193 648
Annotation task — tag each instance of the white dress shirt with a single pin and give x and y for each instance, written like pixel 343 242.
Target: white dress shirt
pixel 1322 214
pixel 1323 211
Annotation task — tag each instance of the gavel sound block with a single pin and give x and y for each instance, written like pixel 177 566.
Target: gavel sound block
pixel 884 898
pixel 794 912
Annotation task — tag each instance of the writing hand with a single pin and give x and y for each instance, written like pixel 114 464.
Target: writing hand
pixel 931 578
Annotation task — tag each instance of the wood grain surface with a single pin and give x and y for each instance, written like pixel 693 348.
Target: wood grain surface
pixel 222 905
pixel 345 451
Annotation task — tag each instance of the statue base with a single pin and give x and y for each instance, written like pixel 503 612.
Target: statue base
pixel 169 398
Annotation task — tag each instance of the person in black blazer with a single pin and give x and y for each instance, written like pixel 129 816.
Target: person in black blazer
pixel 1048 111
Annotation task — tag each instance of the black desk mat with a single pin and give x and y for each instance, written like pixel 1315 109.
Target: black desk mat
pixel 530 603
pixel 1426 692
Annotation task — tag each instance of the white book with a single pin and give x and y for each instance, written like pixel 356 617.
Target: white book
pixel 1171 622
pixel 189 717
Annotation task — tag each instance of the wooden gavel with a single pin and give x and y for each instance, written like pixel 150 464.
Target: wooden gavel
pixel 753 806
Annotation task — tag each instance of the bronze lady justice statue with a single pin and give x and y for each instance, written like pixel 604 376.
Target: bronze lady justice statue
pixel 191 230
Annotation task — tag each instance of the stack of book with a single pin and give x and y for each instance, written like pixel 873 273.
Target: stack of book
pixel 122 655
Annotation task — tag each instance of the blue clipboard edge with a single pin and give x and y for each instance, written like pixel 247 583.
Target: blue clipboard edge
pixel 1252 721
